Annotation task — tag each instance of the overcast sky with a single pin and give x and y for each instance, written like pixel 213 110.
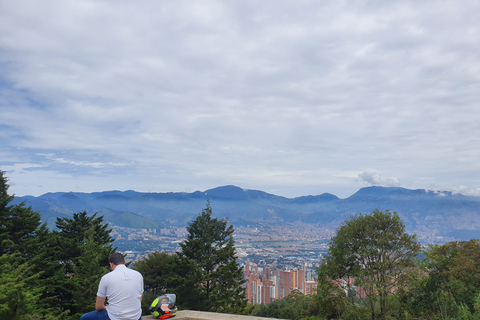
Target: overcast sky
pixel 289 97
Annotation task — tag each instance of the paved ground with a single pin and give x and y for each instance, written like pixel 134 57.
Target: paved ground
pixel 200 315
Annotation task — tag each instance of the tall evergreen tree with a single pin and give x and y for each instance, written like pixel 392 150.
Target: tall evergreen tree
pixel 22 276
pixel 88 269
pixel 214 277
pixel 82 247
pixel 51 270
pixel 19 291
pixel 18 224
pixel 76 230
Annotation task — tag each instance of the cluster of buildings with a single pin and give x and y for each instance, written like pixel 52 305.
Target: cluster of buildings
pixel 263 285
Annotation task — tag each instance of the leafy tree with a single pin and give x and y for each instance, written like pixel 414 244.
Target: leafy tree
pixel 454 267
pixel 453 284
pixel 160 275
pixel 406 301
pixel 329 300
pixel 376 251
pixel 213 277
pixel 256 310
pixel 295 306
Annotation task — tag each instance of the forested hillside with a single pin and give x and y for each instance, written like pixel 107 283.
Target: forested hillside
pixel 440 214
pixel 373 270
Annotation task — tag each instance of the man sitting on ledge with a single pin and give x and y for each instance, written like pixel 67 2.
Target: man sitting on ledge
pixel 123 288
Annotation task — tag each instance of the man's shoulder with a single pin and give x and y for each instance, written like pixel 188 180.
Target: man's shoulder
pixel 118 272
pixel 135 272
pixel 131 271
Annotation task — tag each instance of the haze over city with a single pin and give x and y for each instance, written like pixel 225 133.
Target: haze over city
pixel 289 97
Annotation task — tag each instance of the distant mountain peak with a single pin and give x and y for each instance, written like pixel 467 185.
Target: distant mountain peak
pixel 236 193
pixel 381 192
pixel 320 198
pixel 376 191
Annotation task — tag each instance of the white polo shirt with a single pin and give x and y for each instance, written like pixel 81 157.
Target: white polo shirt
pixel 123 288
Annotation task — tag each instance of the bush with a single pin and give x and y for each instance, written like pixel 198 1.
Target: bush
pixel 355 312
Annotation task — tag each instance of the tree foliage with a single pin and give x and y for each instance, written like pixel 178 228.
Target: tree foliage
pixel 376 251
pixel 19 290
pixel 74 233
pixel 330 300
pixel 213 276
pixel 18 224
pixel 295 306
pixel 453 282
pixel 53 275
pixel 82 247
pixel 457 261
pixel 22 275
pixel 160 275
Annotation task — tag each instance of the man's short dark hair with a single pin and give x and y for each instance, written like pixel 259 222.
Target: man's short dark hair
pixel 116 258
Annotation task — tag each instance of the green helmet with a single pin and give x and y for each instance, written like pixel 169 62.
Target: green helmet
pixel 164 307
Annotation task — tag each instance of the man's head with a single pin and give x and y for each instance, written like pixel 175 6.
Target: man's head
pixel 116 259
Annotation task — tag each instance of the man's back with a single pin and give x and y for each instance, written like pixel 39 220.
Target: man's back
pixel 123 289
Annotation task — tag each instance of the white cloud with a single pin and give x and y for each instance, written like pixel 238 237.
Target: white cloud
pixel 273 95
pixel 439 188
pixel 375 178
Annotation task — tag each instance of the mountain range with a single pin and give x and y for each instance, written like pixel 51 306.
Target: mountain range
pixel 434 215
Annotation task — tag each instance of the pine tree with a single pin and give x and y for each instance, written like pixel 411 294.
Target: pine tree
pixel 87 272
pixel 18 224
pixel 76 231
pixel 82 247
pixel 22 260
pixel 18 296
pixel 215 280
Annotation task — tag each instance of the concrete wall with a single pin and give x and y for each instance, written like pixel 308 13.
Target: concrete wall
pixel 200 315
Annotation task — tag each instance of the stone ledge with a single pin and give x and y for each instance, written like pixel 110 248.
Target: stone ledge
pixel 201 315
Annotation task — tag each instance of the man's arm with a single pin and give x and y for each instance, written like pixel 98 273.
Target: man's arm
pixel 100 304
